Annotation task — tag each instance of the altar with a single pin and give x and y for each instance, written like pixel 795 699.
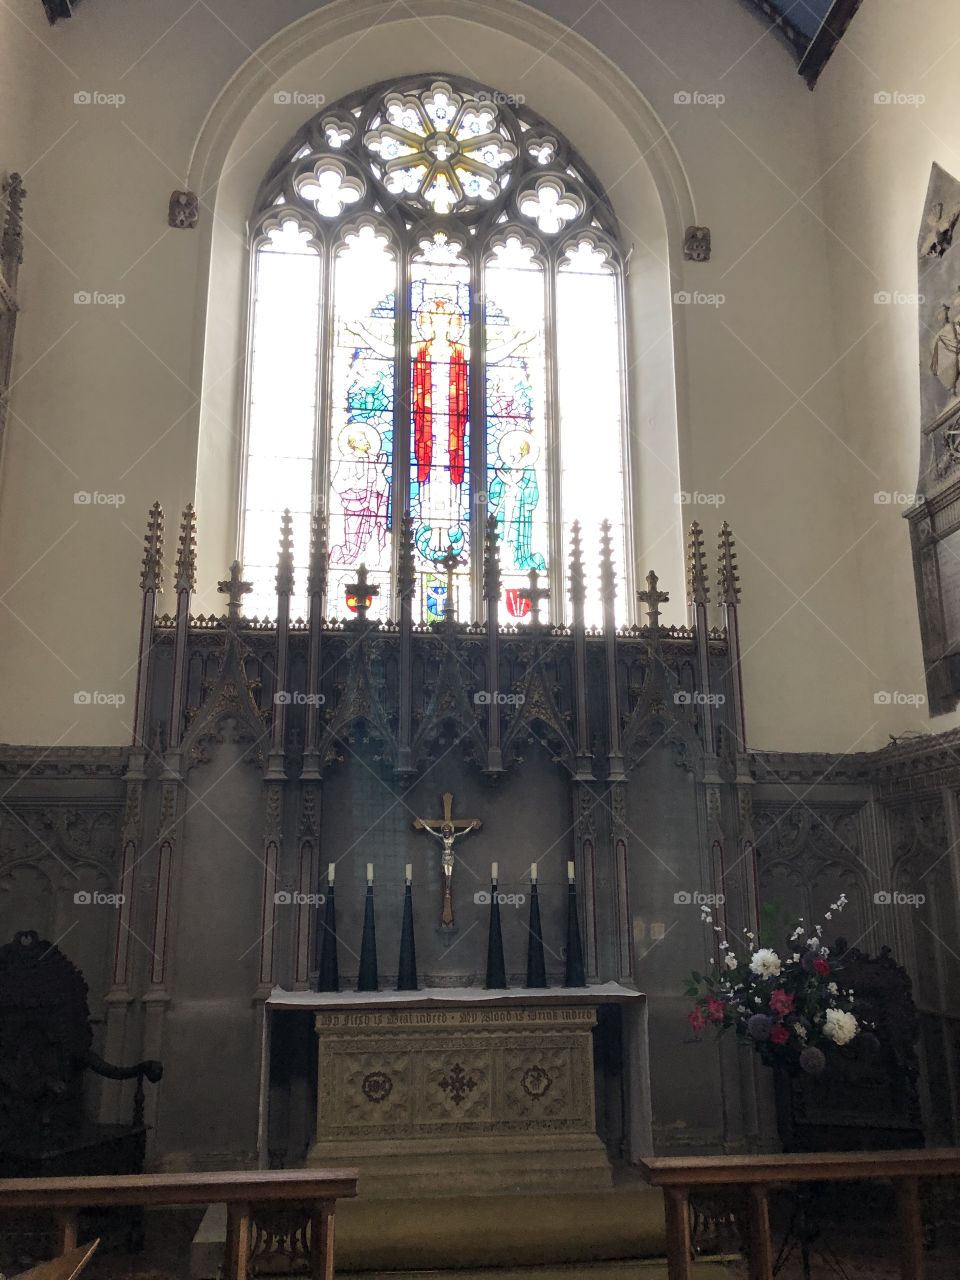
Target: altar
pixel 449 1091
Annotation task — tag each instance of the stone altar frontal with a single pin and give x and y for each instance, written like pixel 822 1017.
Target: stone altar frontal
pixel 465 1095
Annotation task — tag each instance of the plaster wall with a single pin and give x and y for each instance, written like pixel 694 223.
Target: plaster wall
pixel 117 399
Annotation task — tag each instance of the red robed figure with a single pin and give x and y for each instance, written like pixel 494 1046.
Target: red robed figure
pixel 423 362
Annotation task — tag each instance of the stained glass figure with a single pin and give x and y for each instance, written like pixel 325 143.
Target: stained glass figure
pixel 516 425
pixel 440 444
pixel 361 423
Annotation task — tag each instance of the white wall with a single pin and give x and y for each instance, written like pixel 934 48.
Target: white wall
pixel 109 397
pixel 877 160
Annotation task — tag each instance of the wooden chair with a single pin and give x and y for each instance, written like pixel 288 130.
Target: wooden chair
pixel 46 1047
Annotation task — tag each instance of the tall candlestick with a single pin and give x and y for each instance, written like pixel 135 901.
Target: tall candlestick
pixel 331 870
pixel 494 872
pixel 570 876
pixel 533 873
pixel 408 873
pixel 369 873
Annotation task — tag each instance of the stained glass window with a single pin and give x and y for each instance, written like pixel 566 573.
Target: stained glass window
pixel 437 326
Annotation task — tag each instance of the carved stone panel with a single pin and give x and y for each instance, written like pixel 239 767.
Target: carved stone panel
pixel 458 1085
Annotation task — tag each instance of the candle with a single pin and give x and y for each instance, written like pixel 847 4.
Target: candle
pixel 369 873
pixel 408 873
pixel 331 868
pixel 570 875
pixel 533 873
pixel 494 872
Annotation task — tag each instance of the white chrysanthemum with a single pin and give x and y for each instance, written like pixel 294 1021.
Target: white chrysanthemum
pixel 840 1027
pixel 765 963
pixel 833 988
pixel 730 960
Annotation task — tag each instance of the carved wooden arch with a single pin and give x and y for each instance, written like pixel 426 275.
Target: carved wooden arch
pixel 230 701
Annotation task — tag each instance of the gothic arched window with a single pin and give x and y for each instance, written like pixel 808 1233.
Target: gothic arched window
pixel 436 326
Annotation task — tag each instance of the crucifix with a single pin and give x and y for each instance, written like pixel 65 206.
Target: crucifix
pixel 234 588
pixel 451 562
pixel 653 599
pixel 362 592
pixel 534 594
pixel 447 830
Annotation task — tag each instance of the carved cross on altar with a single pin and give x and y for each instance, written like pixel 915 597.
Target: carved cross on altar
pixel 447 830
pixel 362 592
pixel 234 588
pixel 653 599
pixel 534 594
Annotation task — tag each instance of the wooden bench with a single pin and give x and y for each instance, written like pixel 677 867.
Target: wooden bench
pixel 678 1175
pixel 238 1191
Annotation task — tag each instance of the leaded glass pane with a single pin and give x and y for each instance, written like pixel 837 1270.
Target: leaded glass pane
pixel 440 427
pixel 361 419
pixel 282 410
pixel 591 442
pixel 515 384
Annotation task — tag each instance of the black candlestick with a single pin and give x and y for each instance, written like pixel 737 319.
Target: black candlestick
pixel 367 977
pixel 496 971
pixel 407 968
pixel 536 965
pixel 574 975
pixel 328 976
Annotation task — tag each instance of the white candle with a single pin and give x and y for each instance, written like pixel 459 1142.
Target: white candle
pixel 570 875
pixel 533 873
pixel 494 872
pixel 369 873
pixel 408 873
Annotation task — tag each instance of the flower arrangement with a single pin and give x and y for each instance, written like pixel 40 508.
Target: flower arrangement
pixel 789 1008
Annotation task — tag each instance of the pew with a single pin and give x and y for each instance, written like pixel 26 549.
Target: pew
pixel 240 1192
pixel 756 1174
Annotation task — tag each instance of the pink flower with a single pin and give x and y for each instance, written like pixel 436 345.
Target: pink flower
pixel 821 967
pixel 779 1034
pixel 715 1009
pixel 781 1002
pixel 696 1019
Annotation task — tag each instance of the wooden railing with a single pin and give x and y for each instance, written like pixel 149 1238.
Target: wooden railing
pixel 679 1175
pixel 240 1192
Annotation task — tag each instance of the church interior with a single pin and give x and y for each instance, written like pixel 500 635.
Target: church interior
pixel 485 817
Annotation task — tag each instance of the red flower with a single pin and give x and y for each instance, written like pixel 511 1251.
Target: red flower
pixel 821 967
pixel 781 1002
pixel 696 1019
pixel 715 1009
pixel 779 1034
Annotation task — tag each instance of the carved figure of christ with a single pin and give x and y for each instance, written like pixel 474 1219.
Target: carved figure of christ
pixel 447 830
